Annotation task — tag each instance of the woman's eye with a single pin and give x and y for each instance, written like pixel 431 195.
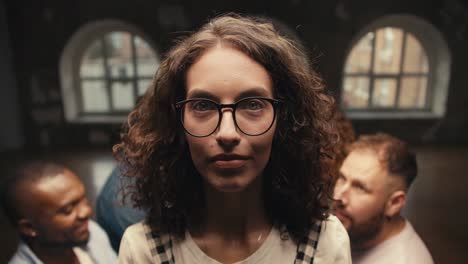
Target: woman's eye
pixel 202 106
pixel 254 104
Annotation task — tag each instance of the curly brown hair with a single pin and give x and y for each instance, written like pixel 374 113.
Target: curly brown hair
pixel 296 179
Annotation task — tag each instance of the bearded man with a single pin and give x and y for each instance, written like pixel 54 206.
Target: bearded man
pixel 370 194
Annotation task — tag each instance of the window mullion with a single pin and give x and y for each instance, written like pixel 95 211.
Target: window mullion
pixel 107 73
pixel 400 73
pixel 371 72
pixel 429 96
pixel 80 98
pixel 135 69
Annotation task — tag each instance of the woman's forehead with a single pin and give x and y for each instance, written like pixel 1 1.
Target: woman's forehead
pixel 224 71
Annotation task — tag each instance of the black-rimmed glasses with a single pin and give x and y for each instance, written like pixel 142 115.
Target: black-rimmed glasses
pixel 253 116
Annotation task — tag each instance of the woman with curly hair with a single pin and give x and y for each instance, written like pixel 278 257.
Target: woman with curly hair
pixel 228 152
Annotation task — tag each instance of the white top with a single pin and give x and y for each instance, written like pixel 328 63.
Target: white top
pixel 272 250
pixel 82 256
pixel 403 248
pixel 333 247
pixel 97 250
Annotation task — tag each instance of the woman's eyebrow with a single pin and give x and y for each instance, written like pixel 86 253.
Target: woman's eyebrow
pixel 256 91
pixel 200 93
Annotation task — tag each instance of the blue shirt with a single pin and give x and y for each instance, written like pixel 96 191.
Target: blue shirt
pixel 112 216
pixel 98 248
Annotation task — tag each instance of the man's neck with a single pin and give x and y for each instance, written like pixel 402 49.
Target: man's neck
pixel 54 255
pixel 391 228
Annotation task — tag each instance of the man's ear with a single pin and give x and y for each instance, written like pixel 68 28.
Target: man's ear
pixel 395 203
pixel 26 228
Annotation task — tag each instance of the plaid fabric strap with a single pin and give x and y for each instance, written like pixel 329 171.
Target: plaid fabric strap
pixel 308 246
pixel 160 246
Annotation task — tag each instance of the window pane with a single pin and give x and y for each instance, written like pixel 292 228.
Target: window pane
pixel 413 92
pixel 143 85
pixel 92 63
pixel 415 57
pixel 122 95
pixel 384 92
pixel 147 60
pixel 360 57
pixel 356 92
pixel 95 97
pixel 119 52
pixel 388 50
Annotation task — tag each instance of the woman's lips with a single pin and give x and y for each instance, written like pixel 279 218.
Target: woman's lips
pixel 229 164
pixel 229 161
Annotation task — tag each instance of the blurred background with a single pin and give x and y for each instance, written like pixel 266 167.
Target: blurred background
pixel 71 71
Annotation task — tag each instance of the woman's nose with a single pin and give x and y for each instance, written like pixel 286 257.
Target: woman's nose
pixel 228 133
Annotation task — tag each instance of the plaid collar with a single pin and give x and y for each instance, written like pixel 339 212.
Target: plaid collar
pixel 161 245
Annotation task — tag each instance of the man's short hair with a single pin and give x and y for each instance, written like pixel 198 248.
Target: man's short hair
pixel 393 154
pixel 32 171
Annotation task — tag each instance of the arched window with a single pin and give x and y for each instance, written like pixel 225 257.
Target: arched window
pixel 398 67
pixel 104 69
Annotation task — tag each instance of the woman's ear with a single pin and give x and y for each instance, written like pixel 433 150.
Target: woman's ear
pixel 395 203
pixel 26 228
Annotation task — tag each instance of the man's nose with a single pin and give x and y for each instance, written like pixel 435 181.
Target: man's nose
pixel 340 194
pixel 84 210
pixel 227 134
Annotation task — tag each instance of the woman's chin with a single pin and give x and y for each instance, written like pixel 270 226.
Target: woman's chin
pixel 232 181
pixel 229 186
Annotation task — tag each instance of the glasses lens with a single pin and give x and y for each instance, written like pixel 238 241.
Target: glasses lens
pixel 254 116
pixel 200 117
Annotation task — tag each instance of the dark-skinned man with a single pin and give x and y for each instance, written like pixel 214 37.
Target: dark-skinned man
pixel 46 203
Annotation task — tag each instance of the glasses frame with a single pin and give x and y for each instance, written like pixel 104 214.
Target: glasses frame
pixel 274 102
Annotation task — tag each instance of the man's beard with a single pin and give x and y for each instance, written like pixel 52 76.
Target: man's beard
pixel 66 244
pixel 360 234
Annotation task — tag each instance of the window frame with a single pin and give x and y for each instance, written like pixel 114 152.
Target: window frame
pixel 438 59
pixel 71 80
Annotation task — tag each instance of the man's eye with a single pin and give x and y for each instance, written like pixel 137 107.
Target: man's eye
pixel 361 188
pixel 67 210
pixel 341 178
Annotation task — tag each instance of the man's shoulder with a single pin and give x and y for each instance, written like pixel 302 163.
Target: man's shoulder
pixel 415 247
pixel 19 259
pixel 405 247
pixel 24 255
pixel 96 231
pixel 99 245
